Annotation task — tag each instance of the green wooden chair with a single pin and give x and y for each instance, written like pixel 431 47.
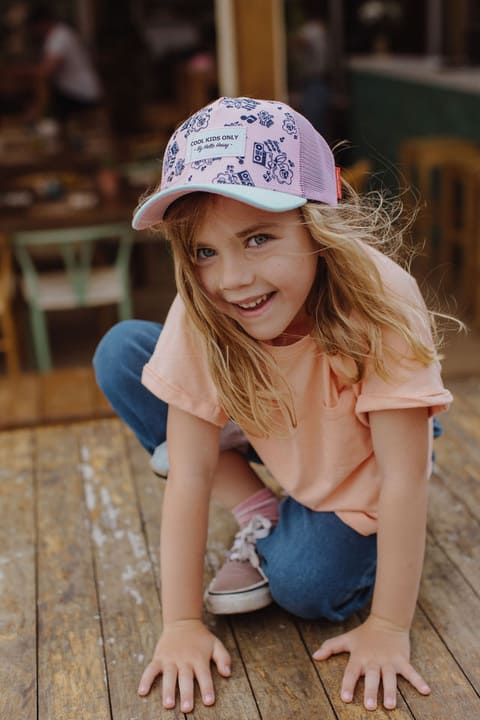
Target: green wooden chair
pixel 77 280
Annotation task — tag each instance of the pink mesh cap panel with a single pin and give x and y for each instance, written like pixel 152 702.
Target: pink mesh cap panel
pixel 317 165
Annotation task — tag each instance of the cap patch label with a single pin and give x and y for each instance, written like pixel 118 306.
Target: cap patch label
pixel 212 143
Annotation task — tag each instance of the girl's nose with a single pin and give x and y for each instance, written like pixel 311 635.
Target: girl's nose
pixel 236 272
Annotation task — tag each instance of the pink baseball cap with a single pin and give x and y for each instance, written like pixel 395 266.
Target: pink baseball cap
pixel 260 152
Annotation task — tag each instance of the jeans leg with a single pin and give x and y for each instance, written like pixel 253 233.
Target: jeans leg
pixel 317 566
pixel 118 362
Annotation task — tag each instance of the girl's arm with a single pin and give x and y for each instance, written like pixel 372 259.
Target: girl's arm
pixel 380 648
pixel 186 646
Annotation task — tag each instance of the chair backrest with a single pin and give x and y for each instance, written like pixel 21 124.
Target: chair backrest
pixel 75 247
pixel 445 172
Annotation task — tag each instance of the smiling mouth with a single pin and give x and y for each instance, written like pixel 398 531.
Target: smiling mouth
pixel 254 304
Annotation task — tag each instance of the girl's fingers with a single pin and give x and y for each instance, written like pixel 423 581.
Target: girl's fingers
pixel 169 686
pixel 331 647
pixel 389 680
pixel 205 683
pixel 372 682
pixel 415 679
pixel 185 686
pixel 221 658
pixel 349 682
pixel 149 675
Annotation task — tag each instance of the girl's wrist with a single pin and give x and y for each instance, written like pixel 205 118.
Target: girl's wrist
pixel 183 623
pixel 384 623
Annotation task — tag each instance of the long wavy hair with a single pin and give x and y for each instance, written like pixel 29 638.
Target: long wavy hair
pixel 348 303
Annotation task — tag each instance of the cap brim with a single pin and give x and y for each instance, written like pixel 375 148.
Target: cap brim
pixel 153 209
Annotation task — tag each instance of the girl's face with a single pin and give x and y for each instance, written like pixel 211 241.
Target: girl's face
pixel 258 268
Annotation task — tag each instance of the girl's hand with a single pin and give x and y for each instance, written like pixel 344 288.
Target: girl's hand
pixel 379 651
pixel 182 655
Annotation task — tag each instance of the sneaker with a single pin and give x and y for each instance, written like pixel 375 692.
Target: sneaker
pixel 159 460
pixel 240 585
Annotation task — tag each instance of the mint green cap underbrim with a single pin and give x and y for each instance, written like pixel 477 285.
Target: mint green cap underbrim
pixel 152 211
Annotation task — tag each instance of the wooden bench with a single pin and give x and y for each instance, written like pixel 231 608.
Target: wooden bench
pixel 79 582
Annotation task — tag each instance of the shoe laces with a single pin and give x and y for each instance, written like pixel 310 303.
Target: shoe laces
pixel 243 548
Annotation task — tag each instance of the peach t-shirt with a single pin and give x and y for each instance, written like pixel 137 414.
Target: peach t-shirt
pixel 327 462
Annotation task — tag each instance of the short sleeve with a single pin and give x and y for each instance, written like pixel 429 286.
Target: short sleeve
pixel 178 372
pixel 409 384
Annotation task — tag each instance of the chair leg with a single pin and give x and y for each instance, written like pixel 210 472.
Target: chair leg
pixel 9 342
pixel 40 339
pixel 125 305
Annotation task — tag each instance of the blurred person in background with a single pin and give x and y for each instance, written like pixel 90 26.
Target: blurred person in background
pixel 312 59
pixel 74 86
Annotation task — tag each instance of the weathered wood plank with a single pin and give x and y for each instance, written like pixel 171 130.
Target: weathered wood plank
pixel 70 652
pixel 458 455
pixel 456 530
pixel 18 673
pixel 279 667
pixel 67 394
pixel 452 695
pixel 453 608
pixel 18 400
pixel 62 395
pixel 234 699
pixel 129 602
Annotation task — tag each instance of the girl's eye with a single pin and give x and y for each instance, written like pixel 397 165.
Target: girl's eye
pixel 204 253
pixel 257 240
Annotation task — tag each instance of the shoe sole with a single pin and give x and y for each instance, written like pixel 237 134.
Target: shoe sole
pixel 241 602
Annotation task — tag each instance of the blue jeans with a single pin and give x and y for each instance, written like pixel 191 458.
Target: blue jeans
pixel 317 566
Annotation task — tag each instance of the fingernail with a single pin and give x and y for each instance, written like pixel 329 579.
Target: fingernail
pixel 208 699
pixel 186 706
pixel 142 689
pixel 169 701
pixel 371 704
pixel 346 697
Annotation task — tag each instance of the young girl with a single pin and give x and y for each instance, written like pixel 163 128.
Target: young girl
pixel 292 323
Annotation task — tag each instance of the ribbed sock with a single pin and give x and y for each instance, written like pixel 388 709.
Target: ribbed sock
pixel 264 502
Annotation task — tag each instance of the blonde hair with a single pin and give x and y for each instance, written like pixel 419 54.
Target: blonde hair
pixel 348 303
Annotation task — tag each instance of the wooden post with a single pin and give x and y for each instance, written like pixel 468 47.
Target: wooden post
pixel 251 48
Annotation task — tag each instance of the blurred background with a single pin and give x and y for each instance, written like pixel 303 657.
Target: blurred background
pixel 90 91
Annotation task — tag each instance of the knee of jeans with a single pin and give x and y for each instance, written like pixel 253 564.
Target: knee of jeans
pixel 312 597
pixel 107 359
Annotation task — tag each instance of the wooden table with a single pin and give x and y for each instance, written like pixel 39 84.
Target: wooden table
pixel 80 611
pixel 108 210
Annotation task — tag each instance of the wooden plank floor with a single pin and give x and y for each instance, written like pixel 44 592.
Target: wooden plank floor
pixel 62 395
pixel 79 589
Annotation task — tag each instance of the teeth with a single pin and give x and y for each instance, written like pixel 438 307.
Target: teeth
pixel 253 304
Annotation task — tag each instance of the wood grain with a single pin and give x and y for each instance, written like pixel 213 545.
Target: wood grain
pixel 71 667
pixel 18 672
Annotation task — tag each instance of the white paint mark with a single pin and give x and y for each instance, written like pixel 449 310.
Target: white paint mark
pixel 90 498
pixel 134 594
pixel 137 544
pixel 86 471
pixel 85 453
pixel 99 538
pixel 128 574
pixel 110 513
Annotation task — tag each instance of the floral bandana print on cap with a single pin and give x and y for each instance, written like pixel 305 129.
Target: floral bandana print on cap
pixel 257 145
